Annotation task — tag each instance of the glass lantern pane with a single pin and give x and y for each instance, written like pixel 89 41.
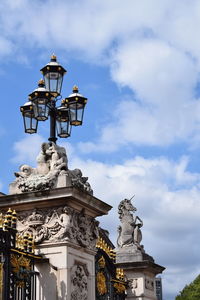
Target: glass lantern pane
pixel 30 124
pixel 72 115
pixel 33 123
pixel 41 111
pixel 63 129
pixel 47 83
pixel 60 79
pixel 80 114
pixel 63 114
pixel 53 82
pixel 76 115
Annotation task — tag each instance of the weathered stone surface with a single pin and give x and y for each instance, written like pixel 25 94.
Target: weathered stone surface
pixel 141 279
pixel 129 230
pixel 60 197
pixel 59 224
pixel 51 172
pixel 62 220
pixel 79 280
pixel 69 274
pixel 129 248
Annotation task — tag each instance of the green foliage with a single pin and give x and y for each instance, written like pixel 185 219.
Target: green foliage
pixel 191 291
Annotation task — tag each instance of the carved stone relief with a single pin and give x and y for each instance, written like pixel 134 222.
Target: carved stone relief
pixel 59 224
pixel 52 163
pixel 133 284
pixel 79 280
pixel 149 284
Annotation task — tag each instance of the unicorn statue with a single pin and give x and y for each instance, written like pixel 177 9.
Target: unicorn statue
pixel 129 231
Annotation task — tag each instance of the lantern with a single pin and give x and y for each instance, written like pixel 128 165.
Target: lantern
pixel 76 104
pixel 63 122
pixel 53 74
pixel 30 123
pixel 41 99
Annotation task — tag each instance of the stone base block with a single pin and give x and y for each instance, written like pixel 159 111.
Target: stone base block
pixel 128 254
pixel 13 188
pixel 141 279
pixel 63 181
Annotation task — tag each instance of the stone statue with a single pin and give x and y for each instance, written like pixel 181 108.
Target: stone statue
pixel 51 172
pixel 129 230
pixel 51 157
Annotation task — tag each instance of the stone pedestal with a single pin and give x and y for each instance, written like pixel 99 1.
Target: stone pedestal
pixel 63 223
pixel 140 271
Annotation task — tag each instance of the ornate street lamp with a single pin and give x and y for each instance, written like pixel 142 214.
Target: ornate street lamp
pixel 42 104
pixel 30 123
pixel 53 74
pixel 63 122
pixel 41 99
pixel 76 104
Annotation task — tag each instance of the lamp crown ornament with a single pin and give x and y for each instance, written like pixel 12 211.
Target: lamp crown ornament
pixel 53 57
pixel 41 83
pixel 75 89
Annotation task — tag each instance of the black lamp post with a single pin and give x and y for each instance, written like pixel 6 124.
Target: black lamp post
pixel 42 104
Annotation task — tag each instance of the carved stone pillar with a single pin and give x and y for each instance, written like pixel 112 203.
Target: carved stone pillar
pixel 63 223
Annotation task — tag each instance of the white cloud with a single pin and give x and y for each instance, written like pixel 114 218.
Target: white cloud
pixel 27 149
pixel 156 71
pixel 163 110
pixel 6 47
pixel 135 123
pixel 92 26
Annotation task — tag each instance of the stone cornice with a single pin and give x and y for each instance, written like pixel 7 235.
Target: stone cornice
pixel 142 266
pixel 70 196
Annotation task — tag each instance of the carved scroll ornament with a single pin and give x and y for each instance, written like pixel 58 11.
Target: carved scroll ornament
pixel 59 224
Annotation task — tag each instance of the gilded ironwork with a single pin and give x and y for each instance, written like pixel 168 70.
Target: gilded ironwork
pixel 101 244
pixel 119 274
pixel 17 275
pixel 101 283
pixel 110 281
pixel 20 262
pixel 120 287
pixel 1 220
pixel 102 262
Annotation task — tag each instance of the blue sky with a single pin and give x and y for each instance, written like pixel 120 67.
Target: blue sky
pixel 138 62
